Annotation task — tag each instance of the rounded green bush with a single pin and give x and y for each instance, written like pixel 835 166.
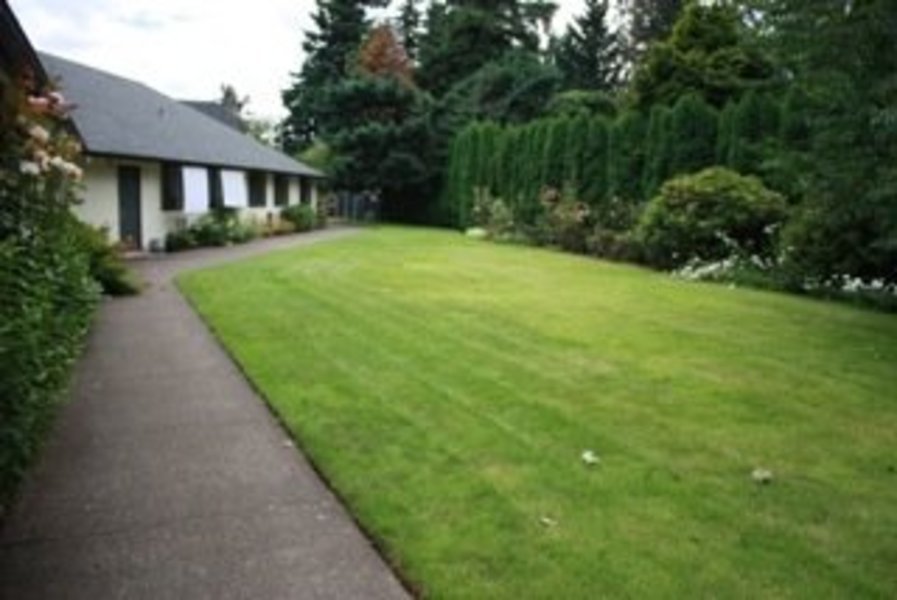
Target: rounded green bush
pixel 709 215
pixel 302 216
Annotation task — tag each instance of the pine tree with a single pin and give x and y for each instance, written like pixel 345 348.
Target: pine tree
pixel 464 35
pixel 650 21
pixel 588 54
pixel 340 25
pixel 408 25
pixel 708 53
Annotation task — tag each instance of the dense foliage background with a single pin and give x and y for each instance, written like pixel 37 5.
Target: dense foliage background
pixel 474 112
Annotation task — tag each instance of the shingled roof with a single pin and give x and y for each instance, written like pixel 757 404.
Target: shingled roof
pixel 120 117
pixel 218 112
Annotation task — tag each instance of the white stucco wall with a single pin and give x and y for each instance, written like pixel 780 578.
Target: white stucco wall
pixel 99 205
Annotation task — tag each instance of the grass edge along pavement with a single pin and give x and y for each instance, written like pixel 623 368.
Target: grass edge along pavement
pixel 447 389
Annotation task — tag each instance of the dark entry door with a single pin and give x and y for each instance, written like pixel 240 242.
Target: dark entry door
pixel 129 207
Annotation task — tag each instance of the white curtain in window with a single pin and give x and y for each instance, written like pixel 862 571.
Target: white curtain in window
pixel 236 193
pixel 196 190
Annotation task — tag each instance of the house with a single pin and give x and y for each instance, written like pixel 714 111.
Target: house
pixel 155 164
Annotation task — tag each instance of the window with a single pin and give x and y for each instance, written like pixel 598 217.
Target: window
pixel 196 190
pixel 258 188
pixel 281 190
pixel 233 184
pixel 305 190
pixel 172 187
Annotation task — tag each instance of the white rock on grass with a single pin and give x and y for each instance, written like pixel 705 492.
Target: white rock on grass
pixel 547 521
pixel 590 458
pixel 761 476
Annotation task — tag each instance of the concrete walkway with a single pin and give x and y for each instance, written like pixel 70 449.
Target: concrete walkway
pixel 166 477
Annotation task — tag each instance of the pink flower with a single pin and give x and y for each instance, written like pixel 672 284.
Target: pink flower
pixel 39 103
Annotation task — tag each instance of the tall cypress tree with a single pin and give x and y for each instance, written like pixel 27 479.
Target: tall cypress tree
pixel 593 187
pixel 555 157
pixel 658 147
pixel 693 131
pixel 755 123
pixel 588 53
pixel 627 152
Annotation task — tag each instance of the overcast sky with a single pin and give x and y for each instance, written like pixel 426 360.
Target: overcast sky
pixel 186 48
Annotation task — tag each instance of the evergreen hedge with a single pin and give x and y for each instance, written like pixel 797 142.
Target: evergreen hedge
pixel 617 160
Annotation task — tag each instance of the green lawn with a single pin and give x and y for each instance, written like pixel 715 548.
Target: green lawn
pixel 447 388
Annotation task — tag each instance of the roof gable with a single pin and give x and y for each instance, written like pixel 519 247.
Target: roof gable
pixel 121 117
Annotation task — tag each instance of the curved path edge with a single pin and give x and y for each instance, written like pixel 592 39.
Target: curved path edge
pixel 166 476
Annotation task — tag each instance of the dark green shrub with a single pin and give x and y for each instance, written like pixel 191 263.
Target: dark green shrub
pixel 221 227
pixel 709 215
pixel 106 264
pixel 613 245
pixel 177 241
pixel 302 216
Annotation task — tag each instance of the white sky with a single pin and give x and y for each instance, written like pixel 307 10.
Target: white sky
pixel 187 48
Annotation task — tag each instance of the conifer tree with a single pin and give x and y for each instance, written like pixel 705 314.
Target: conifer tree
pixel 658 147
pixel 588 54
pixel 464 35
pixel 756 122
pixel 340 25
pixel 627 156
pixel 555 154
pixel 725 132
pixel 577 139
pixel 693 130
pixel 408 25
pixel 650 21
pixel 593 188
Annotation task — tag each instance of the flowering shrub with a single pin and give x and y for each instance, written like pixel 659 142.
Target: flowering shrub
pixel 565 221
pixel 773 273
pixel 48 294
